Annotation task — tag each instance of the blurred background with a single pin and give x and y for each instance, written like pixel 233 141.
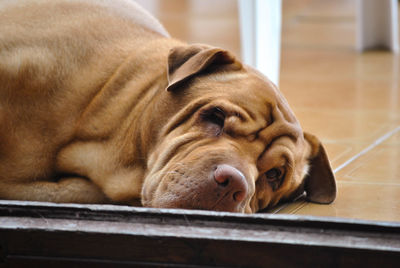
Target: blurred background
pixel 349 99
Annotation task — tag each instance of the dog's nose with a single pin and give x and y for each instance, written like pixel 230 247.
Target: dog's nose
pixel 232 183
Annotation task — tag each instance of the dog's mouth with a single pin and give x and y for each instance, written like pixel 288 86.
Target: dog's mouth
pixel 230 206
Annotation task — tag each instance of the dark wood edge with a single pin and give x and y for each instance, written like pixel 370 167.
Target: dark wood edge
pixel 117 213
pixel 104 234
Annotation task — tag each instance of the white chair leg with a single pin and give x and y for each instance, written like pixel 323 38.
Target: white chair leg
pixel 377 25
pixel 260 28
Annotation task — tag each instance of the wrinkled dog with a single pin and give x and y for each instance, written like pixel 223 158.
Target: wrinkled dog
pixel 99 105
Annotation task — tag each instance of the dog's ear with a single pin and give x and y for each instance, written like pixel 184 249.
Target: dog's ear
pixel 186 61
pixel 319 184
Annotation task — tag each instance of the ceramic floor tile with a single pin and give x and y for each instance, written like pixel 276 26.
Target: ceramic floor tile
pixel 394 140
pixel 318 33
pixel 377 65
pixel 346 125
pixel 320 8
pixel 336 63
pixel 353 139
pixel 345 93
pixel 361 201
pixel 317 23
pixel 380 165
pixel 310 64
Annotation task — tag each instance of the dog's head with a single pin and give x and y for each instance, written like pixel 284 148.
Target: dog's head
pixel 233 144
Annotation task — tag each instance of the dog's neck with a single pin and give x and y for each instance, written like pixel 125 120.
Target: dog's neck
pixel 139 84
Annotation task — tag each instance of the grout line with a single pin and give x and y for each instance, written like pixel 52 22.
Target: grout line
pixel 369 148
pixel 284 205
pixel 369 183
pixel 300 206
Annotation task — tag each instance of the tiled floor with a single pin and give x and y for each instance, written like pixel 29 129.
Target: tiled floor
pixel 351 101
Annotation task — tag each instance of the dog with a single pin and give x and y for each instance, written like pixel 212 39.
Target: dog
pixel 98 104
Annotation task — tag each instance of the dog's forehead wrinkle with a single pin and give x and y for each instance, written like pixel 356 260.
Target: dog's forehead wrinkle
pixel 184 114
pixel 277 136
pixel 277 130
pixel 158 161
pixel 285 111
pixel 227 76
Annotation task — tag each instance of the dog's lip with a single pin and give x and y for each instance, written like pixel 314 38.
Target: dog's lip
pixel 220 199
pixel 238 208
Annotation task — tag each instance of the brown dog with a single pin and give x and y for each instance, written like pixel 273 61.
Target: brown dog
pixel 99 105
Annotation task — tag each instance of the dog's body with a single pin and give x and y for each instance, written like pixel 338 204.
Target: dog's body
pixel 99 105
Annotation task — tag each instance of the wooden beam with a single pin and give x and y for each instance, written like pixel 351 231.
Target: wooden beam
pixel 54 235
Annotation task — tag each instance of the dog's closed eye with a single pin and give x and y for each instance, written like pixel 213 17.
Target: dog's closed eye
pixel 216 117
pixel 274 177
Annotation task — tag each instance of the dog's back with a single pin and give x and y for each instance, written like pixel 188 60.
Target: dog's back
pixel 55 56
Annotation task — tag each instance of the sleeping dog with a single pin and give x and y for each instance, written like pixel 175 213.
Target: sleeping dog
pixel 98 104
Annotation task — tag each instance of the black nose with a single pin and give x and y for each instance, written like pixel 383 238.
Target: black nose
pixel 231 183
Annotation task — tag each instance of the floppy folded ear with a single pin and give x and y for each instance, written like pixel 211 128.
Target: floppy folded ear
pixel 186 61
pixel 320 185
